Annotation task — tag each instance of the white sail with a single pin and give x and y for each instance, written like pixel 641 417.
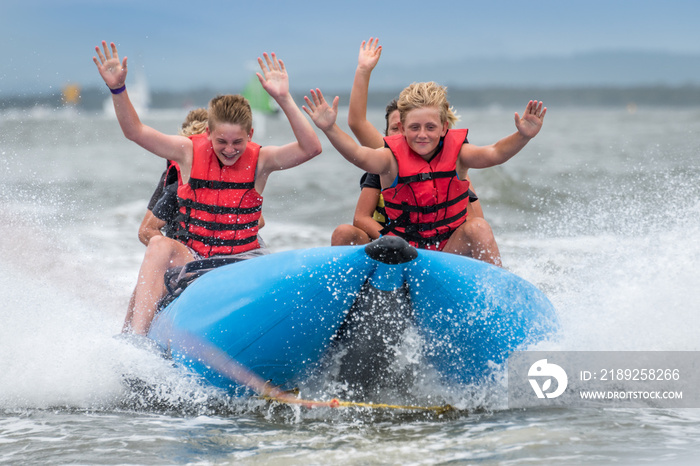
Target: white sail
pixel 139 94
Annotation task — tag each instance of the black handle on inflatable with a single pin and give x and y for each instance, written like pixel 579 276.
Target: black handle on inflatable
pixel 391 250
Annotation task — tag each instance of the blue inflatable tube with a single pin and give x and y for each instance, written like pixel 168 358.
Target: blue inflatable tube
pixel 279 315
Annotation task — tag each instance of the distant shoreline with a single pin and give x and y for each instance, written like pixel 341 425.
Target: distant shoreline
pixel 480 97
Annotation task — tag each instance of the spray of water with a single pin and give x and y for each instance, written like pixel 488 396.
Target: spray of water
pixel 620 267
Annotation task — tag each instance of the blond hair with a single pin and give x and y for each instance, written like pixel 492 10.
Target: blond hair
pixel 430 94
pixel 232 109
pixel 195 122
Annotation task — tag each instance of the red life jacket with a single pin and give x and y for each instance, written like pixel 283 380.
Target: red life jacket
pixel 427 202
pixel 219 207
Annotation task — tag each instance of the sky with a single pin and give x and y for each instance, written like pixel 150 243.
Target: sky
pixel 176 45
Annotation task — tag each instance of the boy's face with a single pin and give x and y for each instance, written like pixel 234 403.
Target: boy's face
pixel 229 141
pixel 393 123
pixel 423 130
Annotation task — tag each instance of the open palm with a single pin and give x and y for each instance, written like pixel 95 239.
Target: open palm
pixel 531 122
pixel 111 69
pixel 274 78
pixel 370 52
pixel 322 114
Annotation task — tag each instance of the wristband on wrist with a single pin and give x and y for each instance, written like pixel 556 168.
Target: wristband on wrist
pixel 118 90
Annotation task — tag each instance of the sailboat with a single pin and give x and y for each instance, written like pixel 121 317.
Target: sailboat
pixel 139 94
pixel 261 103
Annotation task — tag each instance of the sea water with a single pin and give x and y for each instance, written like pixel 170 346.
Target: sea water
pixel 601 211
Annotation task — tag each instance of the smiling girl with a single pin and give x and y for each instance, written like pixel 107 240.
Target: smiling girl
pixel 223 174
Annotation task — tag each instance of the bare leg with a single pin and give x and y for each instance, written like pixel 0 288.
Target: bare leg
pixel 348 235
pixel 474 238
pixel 161 254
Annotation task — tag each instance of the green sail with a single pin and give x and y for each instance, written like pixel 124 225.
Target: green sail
pixel 259 99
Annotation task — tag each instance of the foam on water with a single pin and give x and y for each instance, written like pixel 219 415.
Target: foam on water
pixel 60 311
pixel 622 273
pixel 54 347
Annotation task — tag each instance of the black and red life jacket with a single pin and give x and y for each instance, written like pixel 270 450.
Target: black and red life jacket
pixel 219 207
pixel 428 201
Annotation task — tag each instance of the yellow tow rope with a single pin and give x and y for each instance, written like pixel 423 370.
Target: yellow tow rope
pixel 292 399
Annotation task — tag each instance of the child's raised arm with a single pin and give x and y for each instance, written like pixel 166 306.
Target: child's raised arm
pixel 113 71
pixel 275 81
pixel 363 130
pixel 379 161
pixel 528 126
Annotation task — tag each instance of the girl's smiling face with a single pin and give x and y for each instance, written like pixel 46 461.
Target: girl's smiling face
pixel 423 129
pixel 229 141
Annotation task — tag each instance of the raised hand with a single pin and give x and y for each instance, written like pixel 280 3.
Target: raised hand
pixel 531 122
pixel 111 69
pixel 369 54
pixel 274 77
pixel 322 114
